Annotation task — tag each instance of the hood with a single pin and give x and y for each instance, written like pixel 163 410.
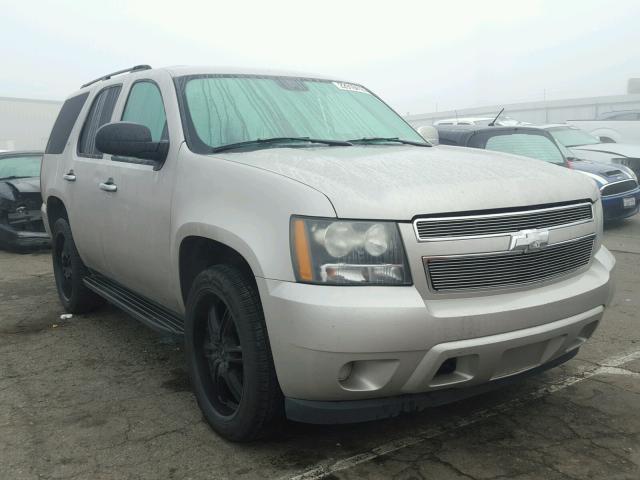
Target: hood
pixel 602 173
pixel 24 185
pixel 400 182
pixel 616 149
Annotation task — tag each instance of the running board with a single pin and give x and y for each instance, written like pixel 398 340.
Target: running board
pixel 148 312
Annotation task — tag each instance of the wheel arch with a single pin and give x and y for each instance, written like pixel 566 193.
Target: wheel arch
pixel 196 252
pixel 607 133
pixel 55 209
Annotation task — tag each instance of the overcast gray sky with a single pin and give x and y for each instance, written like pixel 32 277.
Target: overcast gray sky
pixel 416 55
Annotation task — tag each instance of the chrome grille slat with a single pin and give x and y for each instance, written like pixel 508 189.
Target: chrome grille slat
pixel 463 277
pixel 499 221
pixel 500 262
pixel 493 270
pixel 503 225
pixel 499 258
pixel 505 276
pixel 441 228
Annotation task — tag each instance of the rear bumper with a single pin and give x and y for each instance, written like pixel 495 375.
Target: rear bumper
pixel 307 411
pixel 11 239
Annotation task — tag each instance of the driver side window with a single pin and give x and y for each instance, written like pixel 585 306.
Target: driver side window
pixel 145 106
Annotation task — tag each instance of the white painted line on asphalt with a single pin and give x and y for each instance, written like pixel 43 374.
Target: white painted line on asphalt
pixel 607 366
pixel 619 371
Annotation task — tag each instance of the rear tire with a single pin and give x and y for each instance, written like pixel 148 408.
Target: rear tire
pixel 229 356
pixel 69 271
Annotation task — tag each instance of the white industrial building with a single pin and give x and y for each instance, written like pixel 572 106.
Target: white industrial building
pixel 549 111
pixel 25 123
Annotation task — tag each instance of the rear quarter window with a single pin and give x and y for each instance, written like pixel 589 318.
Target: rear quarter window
pixel 64 123
pixel 99 114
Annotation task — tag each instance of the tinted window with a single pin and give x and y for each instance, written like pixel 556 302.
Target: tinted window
pixel 145 106
pixel 64 123
pixel 99 114
pixel 20 166
pixel 531 145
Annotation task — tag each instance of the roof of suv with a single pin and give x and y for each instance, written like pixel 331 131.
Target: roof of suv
pixel 183 70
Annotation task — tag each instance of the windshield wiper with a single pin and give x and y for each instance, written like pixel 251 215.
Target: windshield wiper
pixel 389 139
pixel 268 141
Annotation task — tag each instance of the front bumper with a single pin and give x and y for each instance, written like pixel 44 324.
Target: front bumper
pixel 11 239
pixel 353 411
pixel 397 342
pixel 613 206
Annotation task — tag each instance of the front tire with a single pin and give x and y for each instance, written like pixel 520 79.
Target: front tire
pixel 69 271
pixel 228 355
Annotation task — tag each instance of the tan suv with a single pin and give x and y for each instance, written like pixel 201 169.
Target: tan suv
pixel 322 260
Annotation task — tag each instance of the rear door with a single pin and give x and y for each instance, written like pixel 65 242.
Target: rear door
pixel 138 214
pixel 83 177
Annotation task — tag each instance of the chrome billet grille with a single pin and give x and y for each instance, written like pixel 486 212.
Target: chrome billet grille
pixel 442 228
pixel 502 270
pixel 619 187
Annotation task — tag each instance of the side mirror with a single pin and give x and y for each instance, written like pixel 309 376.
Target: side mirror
pixel 430 134
pixel 129 139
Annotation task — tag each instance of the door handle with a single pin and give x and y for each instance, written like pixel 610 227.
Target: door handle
pixel 70 176
pixel 108 186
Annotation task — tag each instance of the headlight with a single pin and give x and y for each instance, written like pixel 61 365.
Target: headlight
pixel 348 252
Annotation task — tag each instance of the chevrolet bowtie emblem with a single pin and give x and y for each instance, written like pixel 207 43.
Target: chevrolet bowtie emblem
pixel 529 240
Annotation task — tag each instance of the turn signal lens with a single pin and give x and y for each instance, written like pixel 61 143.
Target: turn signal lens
pixel 302 254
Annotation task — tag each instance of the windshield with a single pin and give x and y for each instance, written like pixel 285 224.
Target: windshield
pixel 222 110
pixel 25 166
pixel 573 137
pixel 527 144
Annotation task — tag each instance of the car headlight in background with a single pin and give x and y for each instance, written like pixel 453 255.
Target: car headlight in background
pixel 342 252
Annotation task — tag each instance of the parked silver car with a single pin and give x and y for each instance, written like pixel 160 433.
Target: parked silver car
pixel 322 260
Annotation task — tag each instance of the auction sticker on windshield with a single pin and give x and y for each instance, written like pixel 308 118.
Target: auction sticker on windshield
pixel 350 87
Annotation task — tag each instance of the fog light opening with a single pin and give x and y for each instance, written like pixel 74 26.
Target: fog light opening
pixel 345 371
pixel 447 367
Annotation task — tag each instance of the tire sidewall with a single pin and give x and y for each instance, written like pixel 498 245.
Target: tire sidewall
pixel 212 281
pixel 61 229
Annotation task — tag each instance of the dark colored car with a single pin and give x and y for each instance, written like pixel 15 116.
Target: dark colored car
pixel 21 226
pixel 618 184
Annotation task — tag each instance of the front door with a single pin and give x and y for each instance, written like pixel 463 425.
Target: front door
pixel 137 236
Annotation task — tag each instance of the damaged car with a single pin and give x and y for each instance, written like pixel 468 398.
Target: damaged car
pixel 21 226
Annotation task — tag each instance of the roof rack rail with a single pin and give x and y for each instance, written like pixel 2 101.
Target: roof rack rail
pixel 109 75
